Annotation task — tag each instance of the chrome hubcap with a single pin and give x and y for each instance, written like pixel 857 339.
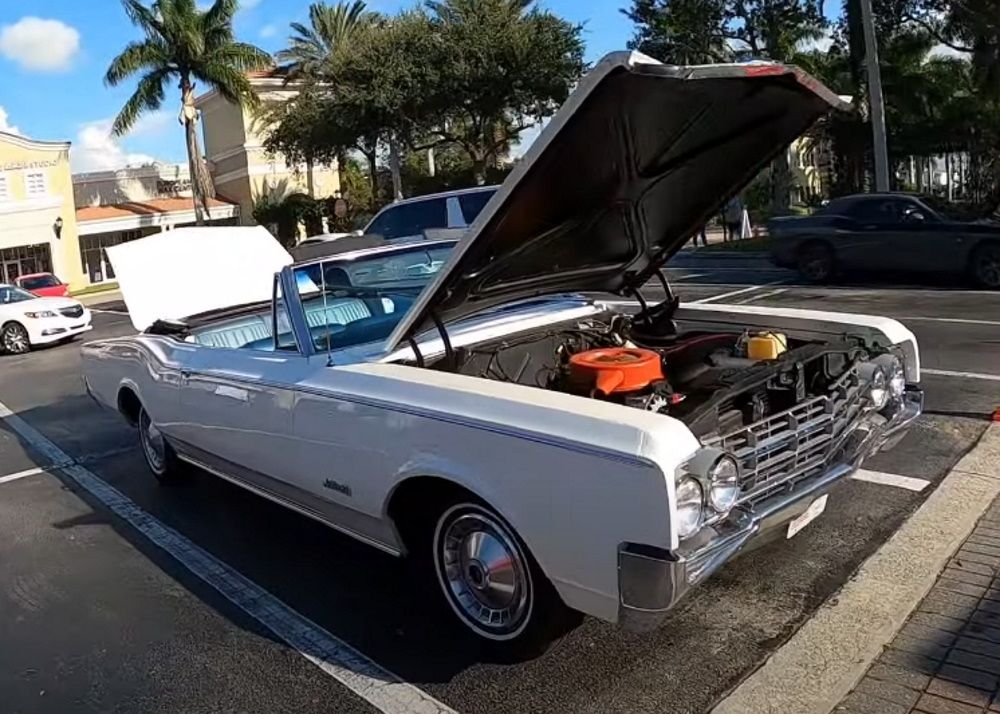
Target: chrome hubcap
pixel 15 340
pixel 153 445
pixel 483 572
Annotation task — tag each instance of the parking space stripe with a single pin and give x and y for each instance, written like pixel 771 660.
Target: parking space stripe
pixel 378 686
pixel 963 375
pixel 956 320
pixel 879 477
pixel 21 474
pixel 742 291
pixel 762 296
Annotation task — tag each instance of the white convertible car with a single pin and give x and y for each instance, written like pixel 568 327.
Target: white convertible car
pixel 529 413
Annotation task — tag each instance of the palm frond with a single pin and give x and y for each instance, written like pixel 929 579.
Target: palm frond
pixel 231 83
pixel 240 56
pixel 149 54
pixel 148 96
pixel 142 16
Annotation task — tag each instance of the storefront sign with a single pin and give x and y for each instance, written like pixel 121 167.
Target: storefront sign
pixel 16 165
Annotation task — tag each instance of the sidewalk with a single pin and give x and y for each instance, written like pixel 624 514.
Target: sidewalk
pixel 946 658
pixel 931 591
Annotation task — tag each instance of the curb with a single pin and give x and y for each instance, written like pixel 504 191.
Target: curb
pixel 821 663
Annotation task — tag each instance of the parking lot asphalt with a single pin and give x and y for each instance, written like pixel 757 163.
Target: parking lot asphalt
pixel 96 616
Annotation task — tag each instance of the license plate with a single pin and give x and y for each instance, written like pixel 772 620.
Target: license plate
pixel 810 515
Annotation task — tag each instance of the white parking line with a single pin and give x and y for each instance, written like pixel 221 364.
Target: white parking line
pixel 957 320
pixel 761 296
pixel 734 293
pixel 376 685
pixel 963 375
pixel 879 477
pixel 21 474
pixel 109 312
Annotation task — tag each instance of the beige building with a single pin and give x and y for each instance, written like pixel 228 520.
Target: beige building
pixel 242 170
pixel 38 231
pixel 113 207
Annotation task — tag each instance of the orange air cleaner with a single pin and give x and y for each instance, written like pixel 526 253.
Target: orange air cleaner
pixel 616 369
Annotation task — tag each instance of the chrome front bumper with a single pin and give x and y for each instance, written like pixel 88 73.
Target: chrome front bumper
pixel 652 580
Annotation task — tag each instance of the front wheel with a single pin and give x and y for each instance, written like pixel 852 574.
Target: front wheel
pixel 159 455
pixel 986 265
pixel 14 339
pixel 816 262
pixel 492 583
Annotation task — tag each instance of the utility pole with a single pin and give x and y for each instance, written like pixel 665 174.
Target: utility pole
pixel 876 109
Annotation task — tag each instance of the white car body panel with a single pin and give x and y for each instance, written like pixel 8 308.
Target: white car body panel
pixel 37 326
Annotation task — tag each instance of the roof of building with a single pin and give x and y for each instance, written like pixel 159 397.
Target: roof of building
pixel 141 208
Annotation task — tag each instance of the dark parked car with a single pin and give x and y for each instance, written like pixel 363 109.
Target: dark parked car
pixel 880 232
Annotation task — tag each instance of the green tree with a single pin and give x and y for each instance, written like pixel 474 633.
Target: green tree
pixel 185 45
pixel 502 66
pixel 681 32
pixel 311 48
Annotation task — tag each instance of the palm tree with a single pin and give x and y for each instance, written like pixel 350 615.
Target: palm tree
pixel 331 29
pixel 185 44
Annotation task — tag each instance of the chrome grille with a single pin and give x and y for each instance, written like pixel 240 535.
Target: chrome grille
pixel 72 311
pixel 793 445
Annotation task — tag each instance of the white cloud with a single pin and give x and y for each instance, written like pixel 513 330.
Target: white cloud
pixel 269 30
pixel 154 123
pixel 5 124
pixel 40 45
pixel 820 44
pixel 96 150
pixel 946 51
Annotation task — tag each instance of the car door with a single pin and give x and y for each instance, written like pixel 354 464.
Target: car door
pixel 868 238
pixel 925 242
pixel 236 404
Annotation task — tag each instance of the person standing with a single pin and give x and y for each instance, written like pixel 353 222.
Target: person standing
pixel 732 216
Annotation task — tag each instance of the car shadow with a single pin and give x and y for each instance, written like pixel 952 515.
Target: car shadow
pixel 372 601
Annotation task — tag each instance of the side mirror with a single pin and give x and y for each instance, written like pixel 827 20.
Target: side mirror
pixel 914 216
pixel 358 233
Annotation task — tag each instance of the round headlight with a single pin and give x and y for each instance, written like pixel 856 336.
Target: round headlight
pixel 878 388
pixel 894 371
pixel 724 486
pixel 690 501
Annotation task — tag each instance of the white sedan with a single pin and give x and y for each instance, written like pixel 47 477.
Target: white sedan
pixel 27 320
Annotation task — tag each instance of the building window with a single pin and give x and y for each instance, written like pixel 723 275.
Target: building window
pixel 24 260
pixel 34 183
pixel 4 189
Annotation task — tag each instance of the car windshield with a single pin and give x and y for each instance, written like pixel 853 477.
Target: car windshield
pixel 9 294
pixel 353 301
pixel 35 282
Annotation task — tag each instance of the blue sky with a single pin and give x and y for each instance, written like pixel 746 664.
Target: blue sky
pixel 53 54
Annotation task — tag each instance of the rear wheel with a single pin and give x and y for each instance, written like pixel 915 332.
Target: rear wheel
pixel 14 339
pixel 159 455
pixel 816 262
pixel 986 265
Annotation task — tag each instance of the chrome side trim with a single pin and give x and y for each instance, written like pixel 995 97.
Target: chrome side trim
pixel 535 437
pixel 186 456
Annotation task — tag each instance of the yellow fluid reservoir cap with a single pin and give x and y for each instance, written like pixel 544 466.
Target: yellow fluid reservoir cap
pixel 766 345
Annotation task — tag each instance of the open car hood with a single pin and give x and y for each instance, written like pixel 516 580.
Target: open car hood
pixel 639 157
pixel 188 271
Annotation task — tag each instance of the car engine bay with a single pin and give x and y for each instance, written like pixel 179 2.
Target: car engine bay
pixel 714 381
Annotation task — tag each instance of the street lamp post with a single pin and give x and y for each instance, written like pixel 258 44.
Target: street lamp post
pixel 876 109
